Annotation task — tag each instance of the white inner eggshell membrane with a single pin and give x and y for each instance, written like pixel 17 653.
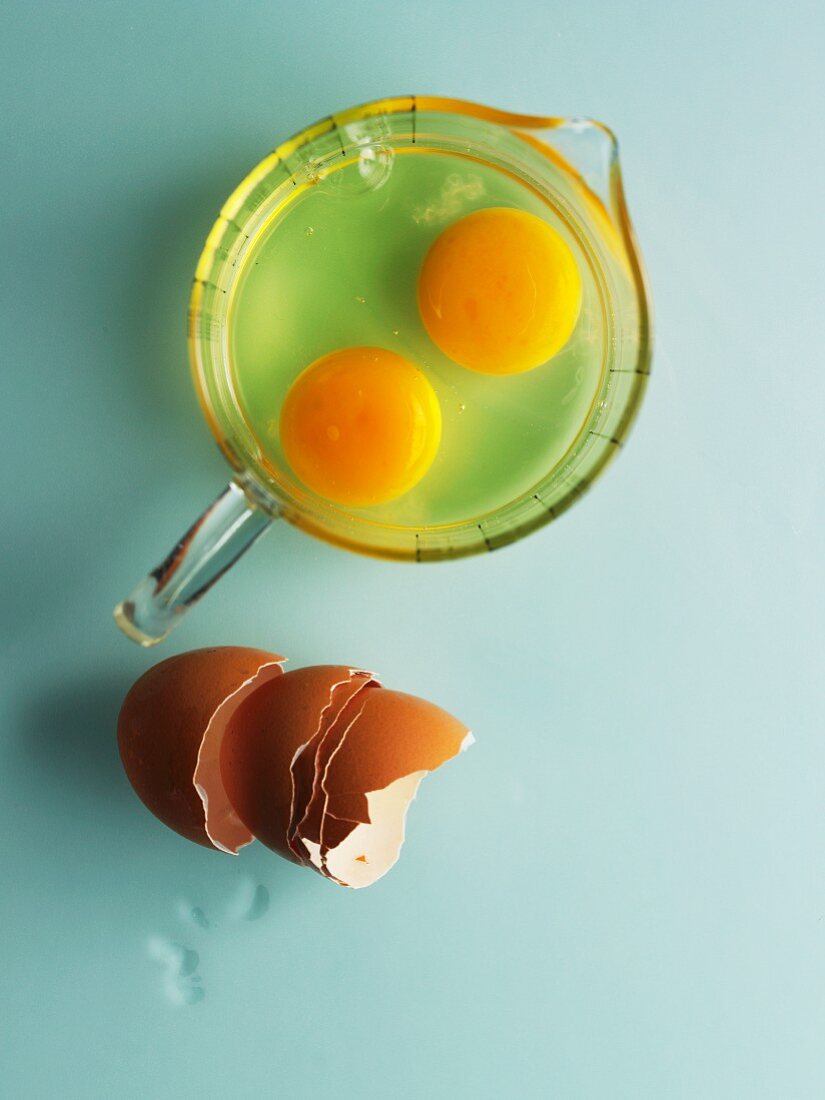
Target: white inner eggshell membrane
pixel 313 848
pixel 223 826
pixel 318 858
pixel 327 721
pixel 371 850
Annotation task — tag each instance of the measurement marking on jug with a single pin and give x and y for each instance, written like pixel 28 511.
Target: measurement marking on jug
pixel 579 487
pixel 548 507
pixel 634 370
pixel 487 542
pixel 609 438
pixel 417 547
pixel 339 135
pixel 235 225
pixel 289 175
pixel 413 111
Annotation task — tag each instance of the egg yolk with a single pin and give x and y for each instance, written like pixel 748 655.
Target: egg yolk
pixel 360 426
pixel 499 291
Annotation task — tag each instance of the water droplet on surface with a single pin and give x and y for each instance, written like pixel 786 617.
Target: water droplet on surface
pixel 308 231
pixel 179 964
pixel 250 902
pixel 358 298
pixel 461 407
pixel 260 904
pixel 189 959
pixel 191 914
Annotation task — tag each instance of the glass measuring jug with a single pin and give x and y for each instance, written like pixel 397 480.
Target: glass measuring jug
pixel 320 247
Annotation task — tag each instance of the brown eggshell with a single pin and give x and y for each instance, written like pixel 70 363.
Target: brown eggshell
pixel 372 778
pixel 395 735
pixel 162 724
pixel 308 762
pixel 261 740
pixel 305 837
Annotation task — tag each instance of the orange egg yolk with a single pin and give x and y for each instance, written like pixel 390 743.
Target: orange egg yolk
pixel 499 291
pixel 361 426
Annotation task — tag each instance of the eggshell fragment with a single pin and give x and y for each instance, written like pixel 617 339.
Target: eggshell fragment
pixel 305 837
pixel 264 735
pixel 373 777
pixel 170 728
pixel 367 850
pixel 309 761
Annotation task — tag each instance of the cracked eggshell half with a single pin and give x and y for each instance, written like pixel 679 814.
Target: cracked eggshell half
pixel 306 826
pixel 170 730
pixel 369 749
pixel 373 777
pixel 264 742
pixel 308 764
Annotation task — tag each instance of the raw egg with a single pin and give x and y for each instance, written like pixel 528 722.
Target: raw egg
pixel 360 426
pixel 320 764
pixel 499 291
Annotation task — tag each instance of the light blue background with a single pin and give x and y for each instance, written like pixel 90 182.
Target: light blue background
pixel 620 891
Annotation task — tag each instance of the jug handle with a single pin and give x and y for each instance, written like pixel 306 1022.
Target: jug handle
pixel 214 542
